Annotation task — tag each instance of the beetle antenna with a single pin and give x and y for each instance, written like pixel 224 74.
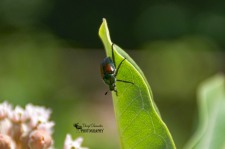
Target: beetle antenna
pixel 106 92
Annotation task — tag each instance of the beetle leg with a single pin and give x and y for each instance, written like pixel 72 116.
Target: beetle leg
pixel 116 92
pixel 113 58
pixel 117 70
pixel 124 81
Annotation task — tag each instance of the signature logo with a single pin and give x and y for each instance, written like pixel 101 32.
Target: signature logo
pixel 77 126
pixel 88 128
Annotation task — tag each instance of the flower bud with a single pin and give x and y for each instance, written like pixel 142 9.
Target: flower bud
pixel 6 142
pixel 39 139
pixel 5 109
pixel 71 144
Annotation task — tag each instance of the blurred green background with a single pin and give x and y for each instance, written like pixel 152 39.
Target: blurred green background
pixel 50 54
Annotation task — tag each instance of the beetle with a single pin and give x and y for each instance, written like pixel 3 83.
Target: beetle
pixel 109 72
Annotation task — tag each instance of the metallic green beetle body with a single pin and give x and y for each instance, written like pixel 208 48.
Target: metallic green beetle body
pixel 109 72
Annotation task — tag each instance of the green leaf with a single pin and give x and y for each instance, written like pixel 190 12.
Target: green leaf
pixel 138 120
pixel 211 127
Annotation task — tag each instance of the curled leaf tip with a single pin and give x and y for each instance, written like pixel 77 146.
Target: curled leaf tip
pixel 105 36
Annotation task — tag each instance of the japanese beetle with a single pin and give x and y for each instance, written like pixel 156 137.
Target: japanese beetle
pixel 109 72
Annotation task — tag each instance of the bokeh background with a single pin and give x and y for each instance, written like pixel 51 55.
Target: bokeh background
pixel 50 54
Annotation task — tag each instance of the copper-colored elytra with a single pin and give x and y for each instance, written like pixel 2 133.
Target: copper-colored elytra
pixel 109 69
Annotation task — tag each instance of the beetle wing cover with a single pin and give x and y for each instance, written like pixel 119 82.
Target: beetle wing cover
pixel 108 66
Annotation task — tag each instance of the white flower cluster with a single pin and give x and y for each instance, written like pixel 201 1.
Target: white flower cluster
pixel 29 128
